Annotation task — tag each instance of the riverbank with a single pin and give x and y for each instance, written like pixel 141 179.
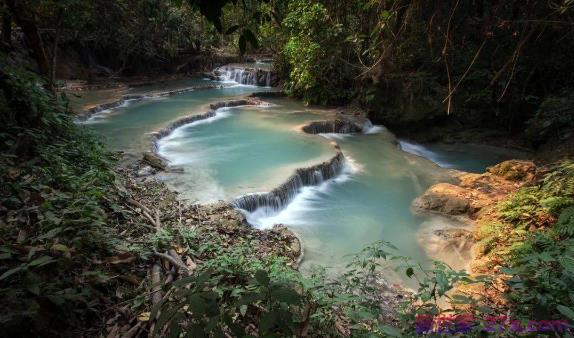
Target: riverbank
pixel 518 215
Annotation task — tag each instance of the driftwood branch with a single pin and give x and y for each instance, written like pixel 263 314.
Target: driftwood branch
pixel 147 213
pixel 133 331
pixel 175 262
pixel 156 295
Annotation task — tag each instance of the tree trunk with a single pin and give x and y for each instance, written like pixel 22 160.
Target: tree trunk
pixel 7 28
pixel 55 46
pixel 26 21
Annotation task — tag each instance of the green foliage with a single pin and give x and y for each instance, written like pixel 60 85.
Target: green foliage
pixel 313 52
pixel 246 296
pixel 554 117
pixel 535 244
pixel 55 182
pixel 539 205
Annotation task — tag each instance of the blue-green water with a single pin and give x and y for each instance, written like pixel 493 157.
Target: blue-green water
pixel 241 150
pixel 254 149
pixel 466 157
pixel 127 128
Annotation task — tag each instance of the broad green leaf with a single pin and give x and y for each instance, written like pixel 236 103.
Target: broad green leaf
pixel 197 305
pixel 262 277
pixel 11 272
pixel 390 331
pixel 243 310
pixel 267 321
pixel 232 29
pixel 50 234
pixel 286 295
pixel 41 261
pixel 566 311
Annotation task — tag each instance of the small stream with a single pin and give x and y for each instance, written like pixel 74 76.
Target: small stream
pixel 255 149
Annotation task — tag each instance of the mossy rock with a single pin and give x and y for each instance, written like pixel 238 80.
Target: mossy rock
pixel 514 170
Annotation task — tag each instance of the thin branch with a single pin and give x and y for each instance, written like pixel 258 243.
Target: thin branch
pixel 466 72
pixel 172 260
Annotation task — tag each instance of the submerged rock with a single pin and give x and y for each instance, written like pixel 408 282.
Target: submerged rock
pixel 145 171
pixel 454 234
pixel 333 126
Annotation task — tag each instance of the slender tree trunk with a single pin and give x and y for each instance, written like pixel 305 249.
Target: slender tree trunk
pixel 26 21
pixel 54 57
pixel 55 46
pixel 7 28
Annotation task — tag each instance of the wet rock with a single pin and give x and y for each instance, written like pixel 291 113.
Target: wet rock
pixel 454 234
pixel 472 193
pixel 515 170
pixel 268 94
pixel 175 169
pixel 155 161
pixel 444 198
pixel 334 126
pixel 156 136
pixel 145 171
pixel 250 101
pixel 295 249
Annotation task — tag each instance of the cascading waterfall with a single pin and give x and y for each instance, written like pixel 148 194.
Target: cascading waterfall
pixel 268 79
pixel 246 76
pixel 286 192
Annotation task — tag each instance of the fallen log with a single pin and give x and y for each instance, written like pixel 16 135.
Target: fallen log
pixel 155 161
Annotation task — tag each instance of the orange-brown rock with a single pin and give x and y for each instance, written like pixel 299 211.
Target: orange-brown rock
pixel 473 192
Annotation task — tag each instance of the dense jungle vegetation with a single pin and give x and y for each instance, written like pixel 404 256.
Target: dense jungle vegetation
pixel 76 255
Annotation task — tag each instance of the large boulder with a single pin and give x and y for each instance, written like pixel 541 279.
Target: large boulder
pixel 444 198
pixel 515 170
pixel 473 192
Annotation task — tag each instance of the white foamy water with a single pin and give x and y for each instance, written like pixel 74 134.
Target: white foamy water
pixel 420 150
pixel 266 218
pixel 334 136
pixel 374 130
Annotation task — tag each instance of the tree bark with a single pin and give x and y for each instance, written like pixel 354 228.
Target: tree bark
pixel 55 46
pixel 7 28
pixel 26 21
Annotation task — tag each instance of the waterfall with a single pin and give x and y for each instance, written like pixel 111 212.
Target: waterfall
pixel 286 192
pixel 369 128
pixel 245 76
pixel 268 79
pixel 367 125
